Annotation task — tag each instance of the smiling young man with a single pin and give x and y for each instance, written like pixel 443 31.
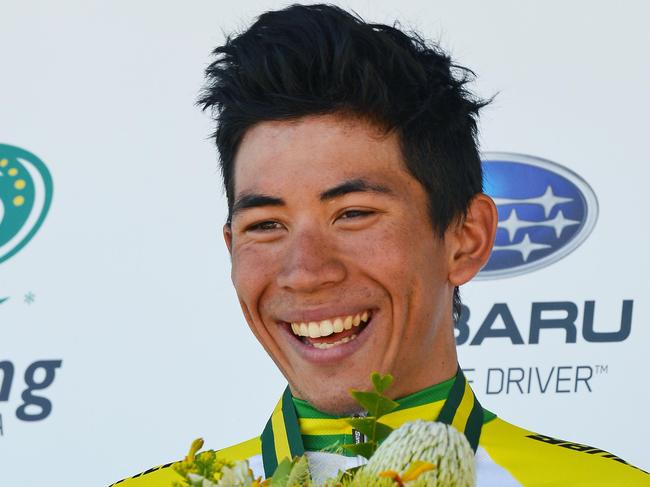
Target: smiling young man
pixel 356 210
pixel 335 261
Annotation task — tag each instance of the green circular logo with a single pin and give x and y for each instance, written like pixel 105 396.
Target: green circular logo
pixel 25 197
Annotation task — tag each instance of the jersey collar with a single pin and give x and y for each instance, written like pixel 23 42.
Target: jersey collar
pixel 282 437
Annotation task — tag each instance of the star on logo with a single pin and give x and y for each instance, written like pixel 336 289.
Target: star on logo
pixel 525 247
pixel 548 201
pixel 559 223
pixel 512 224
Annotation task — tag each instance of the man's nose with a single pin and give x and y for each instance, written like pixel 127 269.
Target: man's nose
pixel 310 263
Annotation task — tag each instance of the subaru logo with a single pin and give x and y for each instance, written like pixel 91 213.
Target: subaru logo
pixel 545 212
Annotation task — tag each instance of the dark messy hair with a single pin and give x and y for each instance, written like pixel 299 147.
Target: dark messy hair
pixel 319 59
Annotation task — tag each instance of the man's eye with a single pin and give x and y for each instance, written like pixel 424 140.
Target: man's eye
pixel 349 214
pixel 266 226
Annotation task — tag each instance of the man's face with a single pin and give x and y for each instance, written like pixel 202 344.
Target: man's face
pixel 335 262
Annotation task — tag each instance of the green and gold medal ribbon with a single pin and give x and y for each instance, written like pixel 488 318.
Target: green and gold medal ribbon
pixel 282 438
pixel 462 410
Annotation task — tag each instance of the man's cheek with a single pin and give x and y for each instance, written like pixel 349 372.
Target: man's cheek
pixel 252 271
pixel 388 252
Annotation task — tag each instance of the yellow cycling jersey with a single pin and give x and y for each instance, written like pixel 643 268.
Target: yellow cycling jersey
pixel 506 455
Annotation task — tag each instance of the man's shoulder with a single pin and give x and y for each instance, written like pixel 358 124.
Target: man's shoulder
pixel 164 475
pixel 536 459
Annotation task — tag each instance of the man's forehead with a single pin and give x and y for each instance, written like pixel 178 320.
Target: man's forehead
pixel 318 152
pixel 274 195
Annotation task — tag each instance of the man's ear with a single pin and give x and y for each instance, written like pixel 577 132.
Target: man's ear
pixel 471 240
pixel 227 236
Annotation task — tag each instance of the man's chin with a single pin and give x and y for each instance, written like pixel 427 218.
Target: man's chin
pixel 335 403
pixel 330 393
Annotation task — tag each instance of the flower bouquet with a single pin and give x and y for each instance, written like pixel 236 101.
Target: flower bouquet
pixel 417 454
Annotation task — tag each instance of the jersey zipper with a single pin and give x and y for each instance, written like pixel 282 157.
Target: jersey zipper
pixel 358 437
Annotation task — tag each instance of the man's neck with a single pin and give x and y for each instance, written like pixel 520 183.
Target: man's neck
pixel 427 395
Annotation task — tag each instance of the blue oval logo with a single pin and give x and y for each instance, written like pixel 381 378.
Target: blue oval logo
pixel 545 212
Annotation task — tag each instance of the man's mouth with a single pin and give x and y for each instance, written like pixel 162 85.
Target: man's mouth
pixel 331 332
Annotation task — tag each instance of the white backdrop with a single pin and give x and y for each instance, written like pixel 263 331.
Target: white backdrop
pixel 127 281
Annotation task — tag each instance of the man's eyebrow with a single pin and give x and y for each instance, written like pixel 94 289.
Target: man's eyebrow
pixel 358 185
pixel 254 200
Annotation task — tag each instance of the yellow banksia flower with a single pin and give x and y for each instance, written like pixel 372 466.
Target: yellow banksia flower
pixel 443 456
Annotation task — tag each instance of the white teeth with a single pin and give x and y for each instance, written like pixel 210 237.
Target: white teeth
pixel 347 324
pixel 338 325
pixel 323 346
pixel 314 330
pixel 325 328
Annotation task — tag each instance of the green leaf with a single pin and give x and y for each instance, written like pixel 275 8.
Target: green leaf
pixel 376 404
pixel 367 400
pixel 281 474
pixel 364 449
pixel 384 406
pixel 370 427
pixel 299 475
pixel 364 425
pixel 381 382
pixel 382 431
